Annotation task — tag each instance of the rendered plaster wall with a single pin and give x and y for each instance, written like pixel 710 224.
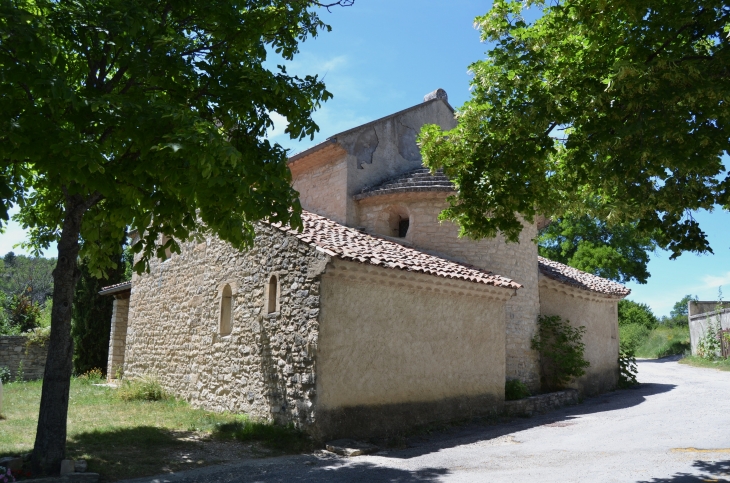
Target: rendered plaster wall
pixel 700 323
pixel 517 261
pixel 391 356
pixel 599 315
pixel 323 188
pixel 387 147
pixel 265 367
pixel 15 354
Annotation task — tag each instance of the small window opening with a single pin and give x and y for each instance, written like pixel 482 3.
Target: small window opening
pixel 273 287
pixel 226 306
pixel 168 251
pixel 403 227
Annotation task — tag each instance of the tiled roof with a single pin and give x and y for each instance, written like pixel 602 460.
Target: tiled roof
pixel 349 244
pixel 419 179
pixel 578 279
pixel 116 288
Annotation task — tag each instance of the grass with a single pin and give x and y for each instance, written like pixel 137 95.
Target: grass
pixel 721 364
pixel 656 343
pixel 663 342
pixel 133 438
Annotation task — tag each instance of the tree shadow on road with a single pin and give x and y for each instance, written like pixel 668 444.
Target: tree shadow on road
pixel 367 473
pixel 444 436
pixel 707 471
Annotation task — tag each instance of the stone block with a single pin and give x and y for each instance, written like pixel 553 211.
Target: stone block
pixel 13 462
pixel 350 447
pixel 67 467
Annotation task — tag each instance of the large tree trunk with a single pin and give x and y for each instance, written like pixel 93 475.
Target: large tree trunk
pixel 50 440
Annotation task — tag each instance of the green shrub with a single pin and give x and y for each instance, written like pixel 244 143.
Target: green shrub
pixel 146 388
pixel 632 336
pixel 561 350
pixel 515 389
pixel 4 374
pixel 634 313
pixel 92 376
pixel 627 369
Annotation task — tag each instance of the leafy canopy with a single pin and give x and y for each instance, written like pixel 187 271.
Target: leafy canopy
pixel 616 252
pixel 630 312
pixel 150 114
pixel 621 101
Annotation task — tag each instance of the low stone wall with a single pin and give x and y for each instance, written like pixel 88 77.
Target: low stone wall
pixel 541 403
pixel 13 352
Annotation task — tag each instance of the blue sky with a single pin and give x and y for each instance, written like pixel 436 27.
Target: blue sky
pixel 383 56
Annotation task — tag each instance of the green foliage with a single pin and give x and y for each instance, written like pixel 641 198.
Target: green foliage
pixel 283 438
pixel 632 336
pixel 146 388
pixel 91 319
pixel 20 373
pixel 616 252
pixel 24 314
pixel 627 369
pixel 665 341
pixel 630 312
pixel 25 276
pixel 515 389
pixel 92 376
pixel 620 101
pixel 561 350
pixel 4 374
pixel 679 315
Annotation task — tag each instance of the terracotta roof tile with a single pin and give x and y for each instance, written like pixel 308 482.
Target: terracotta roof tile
pixel 419 179
pixel 579 279
pixel 349 244
pixel 116 288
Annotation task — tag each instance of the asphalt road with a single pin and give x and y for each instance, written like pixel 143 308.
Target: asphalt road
pixel 674 428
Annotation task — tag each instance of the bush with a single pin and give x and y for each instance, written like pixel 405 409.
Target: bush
pixel 145 388
pixel 515 389
pixel 632 336
pixel 561 351
pixel 93 376
pixel 4 374
pixel 630 312
pixel 627 369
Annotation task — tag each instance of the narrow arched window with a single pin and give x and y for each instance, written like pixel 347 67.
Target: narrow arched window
pixel 273 293
pixel 226 309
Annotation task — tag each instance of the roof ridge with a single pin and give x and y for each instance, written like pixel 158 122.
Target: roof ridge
pixel 574 277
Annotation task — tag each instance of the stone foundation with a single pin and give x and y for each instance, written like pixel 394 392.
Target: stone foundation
pixel 541 403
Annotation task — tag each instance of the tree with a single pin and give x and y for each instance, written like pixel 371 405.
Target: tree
pixel 679 313
pixel 630 312
pixel 615 252
pixel 619 101
pixel 148 114
pixel 92 316
pixel 29 277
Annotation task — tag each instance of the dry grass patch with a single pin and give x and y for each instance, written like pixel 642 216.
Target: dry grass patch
pixel 132 438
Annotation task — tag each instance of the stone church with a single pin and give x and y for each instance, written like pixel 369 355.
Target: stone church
pixel 374 317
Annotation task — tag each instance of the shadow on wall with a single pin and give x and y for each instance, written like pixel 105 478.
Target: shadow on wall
pixel 706 471
pixel 478 431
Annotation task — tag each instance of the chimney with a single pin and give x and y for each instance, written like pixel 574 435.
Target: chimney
pixel 437 94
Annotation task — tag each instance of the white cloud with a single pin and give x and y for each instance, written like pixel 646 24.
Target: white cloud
pixel 280 124
pixel 714 281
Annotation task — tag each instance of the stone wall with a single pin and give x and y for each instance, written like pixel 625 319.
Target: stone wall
pixel 118 336
pixel 514 260
pixel 265 366
pixel 599 315
pixel 14 351
pixel 541 403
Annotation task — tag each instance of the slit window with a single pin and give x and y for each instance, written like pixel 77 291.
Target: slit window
pixel 226 310
pixel 273 293
pixel 403 225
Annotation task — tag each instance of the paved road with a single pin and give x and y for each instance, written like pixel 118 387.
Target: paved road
pixel 674 428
